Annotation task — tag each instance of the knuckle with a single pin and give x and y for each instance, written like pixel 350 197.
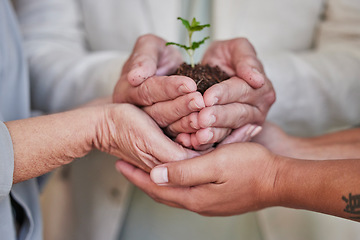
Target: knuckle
pixel 245 90
pixel 250 60
pixel 243 114
pixel 185 124
pixel 155 114
pixel 270 97
pixel 180 175
pixel 144 94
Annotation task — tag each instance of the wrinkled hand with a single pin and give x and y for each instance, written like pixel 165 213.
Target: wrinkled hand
pixel 232 179
pixel 130 134
pixel 142 82
pixel 240 103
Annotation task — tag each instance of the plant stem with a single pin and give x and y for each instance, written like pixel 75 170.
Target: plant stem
pixel 191 52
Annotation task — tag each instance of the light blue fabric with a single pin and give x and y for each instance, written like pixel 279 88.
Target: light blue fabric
pixel 14 104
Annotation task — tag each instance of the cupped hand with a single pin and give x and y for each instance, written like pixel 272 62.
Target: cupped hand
pixel 232 179
pixel 129 133
pixel 143 82
pixel 240 103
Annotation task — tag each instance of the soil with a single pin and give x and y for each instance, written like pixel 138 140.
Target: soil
pixel 204 75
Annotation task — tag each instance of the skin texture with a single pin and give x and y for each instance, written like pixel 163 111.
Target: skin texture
pixel 150 61
pixel 243 177
pixel 193 120
pixel 242 101
pixel 44 143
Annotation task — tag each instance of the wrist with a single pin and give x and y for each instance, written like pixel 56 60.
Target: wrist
pixel 276 178
pixel 107 127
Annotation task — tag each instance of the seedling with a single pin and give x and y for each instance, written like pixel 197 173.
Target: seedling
pixel 191 28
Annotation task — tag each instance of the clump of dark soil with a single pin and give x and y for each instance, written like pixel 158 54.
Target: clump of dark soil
pixel 204 75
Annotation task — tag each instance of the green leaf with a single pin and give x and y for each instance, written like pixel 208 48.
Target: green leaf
pixel 196 45
pixel 195 26
pixel 185 23
pixel 199 27
pixel 194 23
pixel 179 45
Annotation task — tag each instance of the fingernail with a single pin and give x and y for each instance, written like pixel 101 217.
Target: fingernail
pixel 209 137
pixel 250 130
pixel 193 105
pixel 184 89
pixel 256 131
pixel 212 119
pixel 194 126
pixel 215 101
pixel 159 175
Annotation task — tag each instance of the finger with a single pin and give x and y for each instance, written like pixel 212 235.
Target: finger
pixel 184 139
pixel 144 59
pixel 166 150
pixel 231 90
pixel 142 180
pixel 237 56
pixel 187 124
pixel 168 112
pixel 251 70
pixel 232 116
pixel 211 135
pixel 195 144
pixel 169 61
pixel 191 172
pixel 246 63
pixel 158 89
pixel 242 134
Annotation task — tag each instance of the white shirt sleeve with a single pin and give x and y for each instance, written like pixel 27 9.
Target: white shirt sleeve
pixel 64 74
pixel 6 162
pixel 318 90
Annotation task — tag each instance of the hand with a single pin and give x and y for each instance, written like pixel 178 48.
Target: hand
pixel 242 101
pixel 129 133
pixel 165 98
pixel 276 140
pixel 232 179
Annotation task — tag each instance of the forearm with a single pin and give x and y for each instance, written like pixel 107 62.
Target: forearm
pixel 338 145
pixel 323 186
pixel 44 143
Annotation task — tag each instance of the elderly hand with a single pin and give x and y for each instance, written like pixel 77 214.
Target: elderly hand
pixel 236 106
pixel 165 98
pixel 130 134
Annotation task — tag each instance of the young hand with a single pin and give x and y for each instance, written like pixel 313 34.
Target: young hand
pixel 232 179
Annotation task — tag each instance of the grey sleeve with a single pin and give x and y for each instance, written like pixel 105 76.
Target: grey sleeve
pixel 6 161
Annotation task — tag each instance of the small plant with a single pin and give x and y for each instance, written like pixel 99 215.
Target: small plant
pixel 191 28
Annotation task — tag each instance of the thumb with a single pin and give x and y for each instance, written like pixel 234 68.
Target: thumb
pixel 190 172
pixel 144 58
